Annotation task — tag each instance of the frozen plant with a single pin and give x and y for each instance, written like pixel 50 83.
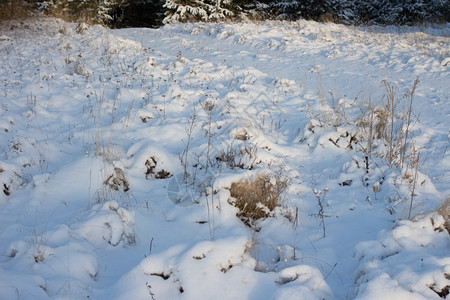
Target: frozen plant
pixel 184 157
pixel 320 196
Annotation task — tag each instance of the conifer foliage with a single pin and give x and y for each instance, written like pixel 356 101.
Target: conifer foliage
pixel 342 11
pixel 198 10
pixel 158 12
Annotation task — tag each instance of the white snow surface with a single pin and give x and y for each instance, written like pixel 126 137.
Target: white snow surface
pixel 98 128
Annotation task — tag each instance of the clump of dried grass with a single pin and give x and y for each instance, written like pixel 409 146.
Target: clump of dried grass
pixel 117 181
pixel 256 199
pixel 444 211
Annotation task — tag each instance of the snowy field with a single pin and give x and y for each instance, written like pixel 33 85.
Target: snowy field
pixel 124 155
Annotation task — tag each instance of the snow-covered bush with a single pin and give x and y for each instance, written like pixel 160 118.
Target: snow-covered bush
pixel 201 10
pixel 288 9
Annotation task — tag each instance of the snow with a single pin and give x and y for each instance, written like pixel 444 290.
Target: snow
pixel 100 127
pixel 412 256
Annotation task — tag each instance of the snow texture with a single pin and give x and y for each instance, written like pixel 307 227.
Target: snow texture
pixel 120 148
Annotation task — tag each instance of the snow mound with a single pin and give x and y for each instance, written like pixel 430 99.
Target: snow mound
pixel 409 262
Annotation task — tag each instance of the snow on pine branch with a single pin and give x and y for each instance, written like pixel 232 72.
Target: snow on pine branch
pixel 200 10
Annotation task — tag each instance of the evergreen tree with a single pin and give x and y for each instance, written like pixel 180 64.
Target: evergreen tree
pixel 286 9
pixel 197 10
pixel 154 12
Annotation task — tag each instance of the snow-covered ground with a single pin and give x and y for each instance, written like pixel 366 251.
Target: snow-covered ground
pixel 120 150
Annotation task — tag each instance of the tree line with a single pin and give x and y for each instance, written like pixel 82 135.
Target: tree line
pixel 124 13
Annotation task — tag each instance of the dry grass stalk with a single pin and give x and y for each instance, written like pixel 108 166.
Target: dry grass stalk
pixel 410 96
pixel 391 106
pixel 320 196
pixel 208 106
pixel 414 164
pixel 184 156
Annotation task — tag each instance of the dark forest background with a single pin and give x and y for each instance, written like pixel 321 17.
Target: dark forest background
pixel 154 13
